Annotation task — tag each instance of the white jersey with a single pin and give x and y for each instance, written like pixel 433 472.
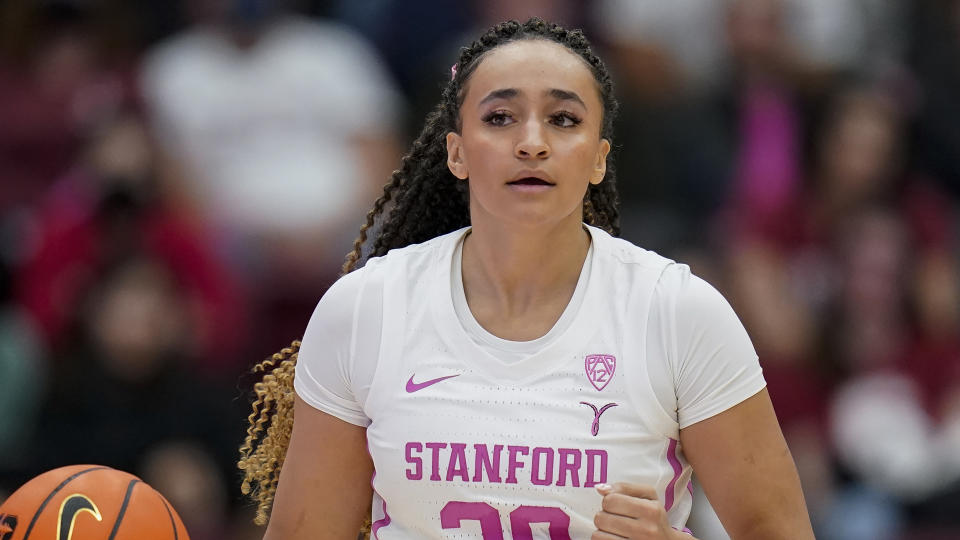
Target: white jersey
pixel 469 442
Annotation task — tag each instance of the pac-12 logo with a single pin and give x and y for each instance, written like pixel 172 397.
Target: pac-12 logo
pixel 8 524
pixel 600 368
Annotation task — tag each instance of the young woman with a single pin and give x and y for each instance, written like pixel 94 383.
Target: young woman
pixel 510 369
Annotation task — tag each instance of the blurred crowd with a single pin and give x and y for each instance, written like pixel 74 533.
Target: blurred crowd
pixel 180 181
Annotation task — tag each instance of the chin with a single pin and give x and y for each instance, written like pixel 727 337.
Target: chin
pixel 532 219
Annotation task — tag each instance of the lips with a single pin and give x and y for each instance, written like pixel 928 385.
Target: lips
pixel 530 181
pixel 531 178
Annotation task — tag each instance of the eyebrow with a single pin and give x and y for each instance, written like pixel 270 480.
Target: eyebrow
pixel 566 95
pixel 556 93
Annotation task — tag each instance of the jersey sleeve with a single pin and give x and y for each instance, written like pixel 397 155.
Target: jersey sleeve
pixel 713 362
pixel 328 365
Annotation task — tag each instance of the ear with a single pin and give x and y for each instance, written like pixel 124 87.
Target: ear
pixel 600 167
pixel 455 161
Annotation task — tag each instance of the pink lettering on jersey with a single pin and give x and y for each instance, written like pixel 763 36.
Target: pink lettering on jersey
pixel 417 472
pixel 546 455
pixel 484 464
pixel 513 463
pixel 596 467
pixel 600 368
pixel 539 466
pixel 435 448
pixel 455 512
pixel 569 463
pixel 458 463
pixel 523 516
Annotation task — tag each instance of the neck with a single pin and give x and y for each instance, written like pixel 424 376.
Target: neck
pixel 517 267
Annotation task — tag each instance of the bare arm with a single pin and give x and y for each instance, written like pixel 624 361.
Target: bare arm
pixel 747 472
pixel 324 490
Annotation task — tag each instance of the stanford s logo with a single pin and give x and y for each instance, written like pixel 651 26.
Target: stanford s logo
pixel 8 524
pixel 69 510
pixel 595 426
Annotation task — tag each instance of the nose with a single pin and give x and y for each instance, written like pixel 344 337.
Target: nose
pixel 532 143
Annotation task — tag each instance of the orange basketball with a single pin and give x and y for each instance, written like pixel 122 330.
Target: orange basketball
pixel 88 502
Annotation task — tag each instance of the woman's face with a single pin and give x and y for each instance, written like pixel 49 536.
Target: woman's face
pixel 530 135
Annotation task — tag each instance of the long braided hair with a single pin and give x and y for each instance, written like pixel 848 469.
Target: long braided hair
pixel 422 200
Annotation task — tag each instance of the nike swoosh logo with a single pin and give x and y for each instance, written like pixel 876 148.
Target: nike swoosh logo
pixel 69 510
pixel 416 387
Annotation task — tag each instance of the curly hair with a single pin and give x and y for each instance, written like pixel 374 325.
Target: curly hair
pixel 425 200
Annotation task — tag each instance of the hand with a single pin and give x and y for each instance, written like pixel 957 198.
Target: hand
pixel 632 511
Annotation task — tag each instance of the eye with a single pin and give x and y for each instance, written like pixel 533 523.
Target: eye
pixel 565 119
pixel 498 118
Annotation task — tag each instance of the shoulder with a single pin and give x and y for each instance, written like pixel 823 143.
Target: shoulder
pixel 689 294
pixel 417 257
pixel 615 251
pixel 673 284
pixel 397 267
pixel 631 271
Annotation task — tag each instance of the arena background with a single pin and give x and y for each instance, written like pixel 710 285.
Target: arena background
pixel 180 181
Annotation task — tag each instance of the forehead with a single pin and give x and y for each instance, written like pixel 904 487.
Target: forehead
pixel 532 64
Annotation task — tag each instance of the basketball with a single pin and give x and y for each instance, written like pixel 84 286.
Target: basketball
pixel 88 502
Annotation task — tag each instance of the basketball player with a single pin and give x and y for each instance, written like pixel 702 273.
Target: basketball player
pixel 516 371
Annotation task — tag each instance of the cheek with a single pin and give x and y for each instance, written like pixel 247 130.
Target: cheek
pixel 582 156
pixel 483 155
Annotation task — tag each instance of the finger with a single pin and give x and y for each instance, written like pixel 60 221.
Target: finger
pixel 642 491
pixel 624 526
pixel 633 507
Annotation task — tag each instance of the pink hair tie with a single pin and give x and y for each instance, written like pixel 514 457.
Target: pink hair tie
pixel 453 71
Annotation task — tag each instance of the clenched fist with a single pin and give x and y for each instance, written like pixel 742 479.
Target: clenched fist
pixel 633 511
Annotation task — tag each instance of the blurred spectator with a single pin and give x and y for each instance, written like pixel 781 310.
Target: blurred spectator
pixel 128 382
pixel 858 160
pixel 285 125
pixel 61 66
pixel 286 128
pixel 110 205
pixel 897 451
pixel 765 102
pixel 781 84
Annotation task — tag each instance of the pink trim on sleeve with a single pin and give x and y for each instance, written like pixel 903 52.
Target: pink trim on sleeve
pixel 677 468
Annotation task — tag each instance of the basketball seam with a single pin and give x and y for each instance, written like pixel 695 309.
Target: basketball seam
pixel 56 490
pixel 123 508
pixel 169 513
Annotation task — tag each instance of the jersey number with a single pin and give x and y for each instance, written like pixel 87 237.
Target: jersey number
pixel 520 519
